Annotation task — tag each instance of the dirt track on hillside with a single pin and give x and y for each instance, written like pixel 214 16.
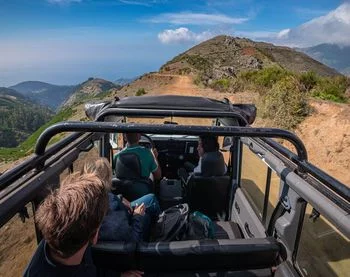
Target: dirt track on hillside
pixel 326 135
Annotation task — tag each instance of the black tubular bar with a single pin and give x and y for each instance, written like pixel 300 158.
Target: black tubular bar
pixel 110 127
pixel 11 175
pixel 178 113
pixel 319 174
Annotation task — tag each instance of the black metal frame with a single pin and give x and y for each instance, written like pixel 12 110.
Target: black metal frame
pixel 110 127
pixel 164 113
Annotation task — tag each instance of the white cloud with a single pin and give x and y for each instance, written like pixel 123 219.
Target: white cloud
pixel 284 33
pixel 196 19
pixel 334 27
pixel 183 35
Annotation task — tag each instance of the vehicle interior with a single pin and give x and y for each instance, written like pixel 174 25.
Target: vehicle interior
pixel 275 213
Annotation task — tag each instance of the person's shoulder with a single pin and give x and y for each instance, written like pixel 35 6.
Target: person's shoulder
pixel 37 265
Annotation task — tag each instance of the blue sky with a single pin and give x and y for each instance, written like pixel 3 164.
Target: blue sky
pixel 67 41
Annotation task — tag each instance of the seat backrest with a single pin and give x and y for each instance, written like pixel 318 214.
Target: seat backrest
pixel 209 195
pixel 128 166
pixel 132 189
pixel 192 255
pixel 129 181
pixel 212 164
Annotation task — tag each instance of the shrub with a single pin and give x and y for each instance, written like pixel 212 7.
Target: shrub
pixel 266 77
pixel 140 92
pixel 221 84
pixel 285 103
pixel 308 80
pixel 332 89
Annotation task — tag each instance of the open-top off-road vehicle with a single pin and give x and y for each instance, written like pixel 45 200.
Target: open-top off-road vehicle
pixel 276 214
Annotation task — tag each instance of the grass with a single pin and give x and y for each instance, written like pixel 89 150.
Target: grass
pixel 26 147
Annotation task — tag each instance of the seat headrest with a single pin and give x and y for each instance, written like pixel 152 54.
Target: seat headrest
pixel 127 165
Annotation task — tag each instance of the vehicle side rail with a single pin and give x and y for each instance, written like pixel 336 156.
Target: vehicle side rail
pixel 306 167
pixel 192 255
pixel 17 172
pixel 77 126
pixel 26 189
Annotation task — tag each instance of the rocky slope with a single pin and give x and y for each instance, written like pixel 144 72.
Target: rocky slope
pixel 92 88
pixel 225 57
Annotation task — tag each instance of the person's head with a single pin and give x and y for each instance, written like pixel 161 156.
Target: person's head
pixel 70 217
pixel 207 143
pixel 132 138
pixel 102 169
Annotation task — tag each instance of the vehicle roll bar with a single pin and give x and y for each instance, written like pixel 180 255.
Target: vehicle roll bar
pixel 174 113
pixel 111 127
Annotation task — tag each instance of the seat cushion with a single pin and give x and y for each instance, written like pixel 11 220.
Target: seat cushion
pixel 227 230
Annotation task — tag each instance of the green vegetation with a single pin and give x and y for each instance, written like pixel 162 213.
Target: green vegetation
pixel 221 84
pixel 332 89
pixel 140 92
pixel 285 103
pixel 284 94
pixel 26 147
pixel 19 117
pixel 266 77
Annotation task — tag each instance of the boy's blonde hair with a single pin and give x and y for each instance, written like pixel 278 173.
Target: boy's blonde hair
pixel 102 169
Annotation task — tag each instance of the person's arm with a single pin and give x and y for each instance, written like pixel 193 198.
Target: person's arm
pixel 198 169
pixel 157 173
pixel 137 223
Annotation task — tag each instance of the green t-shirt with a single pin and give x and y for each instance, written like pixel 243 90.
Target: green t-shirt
pixel 148 164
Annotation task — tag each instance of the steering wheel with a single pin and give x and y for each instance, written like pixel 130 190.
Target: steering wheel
pixel 149 139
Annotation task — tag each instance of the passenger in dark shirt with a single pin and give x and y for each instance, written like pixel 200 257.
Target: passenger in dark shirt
pixel 69 220
pixel 42 264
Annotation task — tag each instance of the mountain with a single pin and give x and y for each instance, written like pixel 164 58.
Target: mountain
pixel 92 88
pixel 225 56
pixel 44 93
pixel 124 81
pixel 332 55
pixel 19 117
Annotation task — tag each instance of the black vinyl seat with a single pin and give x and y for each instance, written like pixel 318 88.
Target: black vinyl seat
pixel 194 255
pixel 129 180
pixel 209 195
pixel 227 230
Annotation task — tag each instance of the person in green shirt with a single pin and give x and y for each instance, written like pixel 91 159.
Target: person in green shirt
pixel 148 158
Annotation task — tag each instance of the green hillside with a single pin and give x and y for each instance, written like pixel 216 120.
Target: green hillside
pixel 19 117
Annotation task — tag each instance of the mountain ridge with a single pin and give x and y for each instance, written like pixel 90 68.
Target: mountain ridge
pixel 226 57
pixel 44 93
pixel 333 55
pixel 91 88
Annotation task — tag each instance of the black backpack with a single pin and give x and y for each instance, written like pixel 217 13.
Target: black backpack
pixel 172 223
pixel 175 223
